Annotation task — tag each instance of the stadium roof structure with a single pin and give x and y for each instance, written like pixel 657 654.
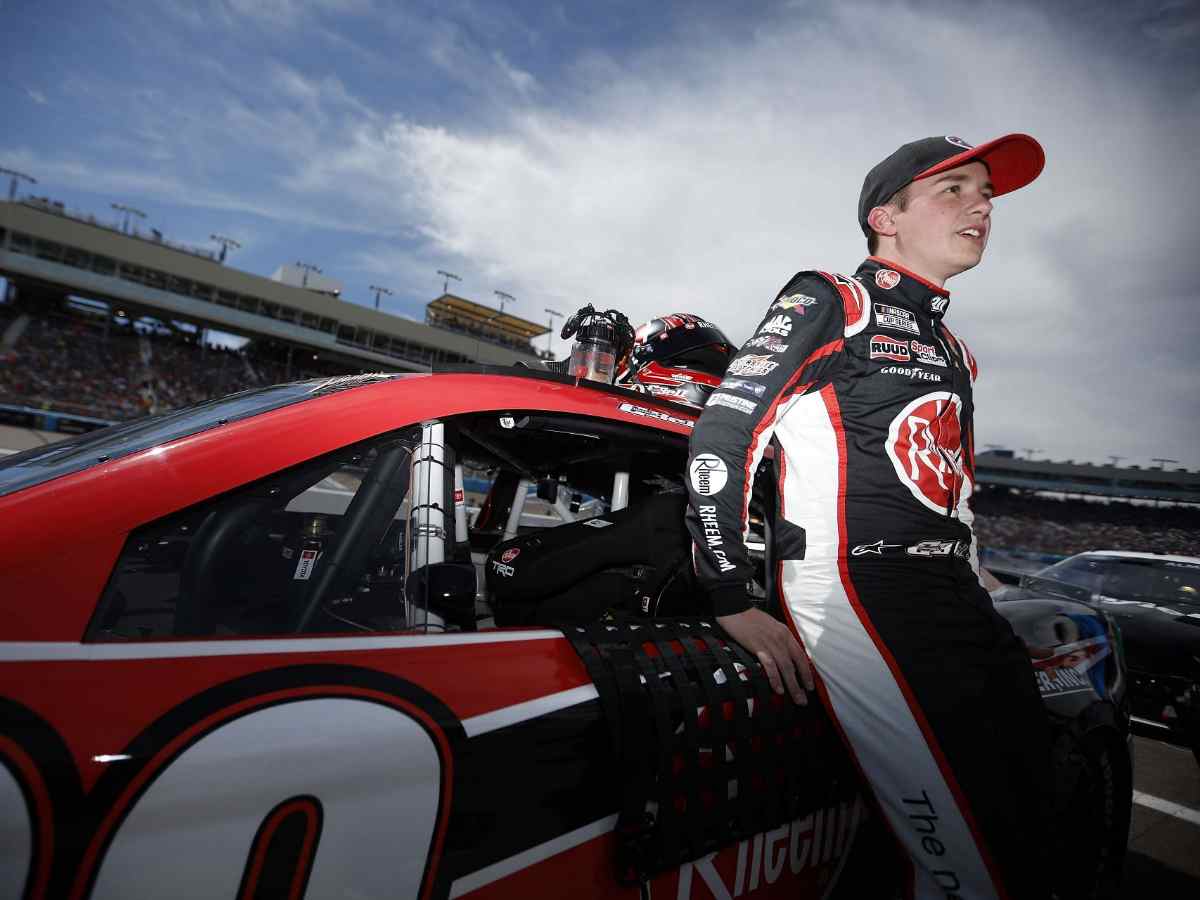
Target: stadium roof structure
pixel 450 306
pixel 1069 477
pixel 45 249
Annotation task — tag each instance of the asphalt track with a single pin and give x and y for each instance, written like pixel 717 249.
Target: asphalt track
pixel 1164 837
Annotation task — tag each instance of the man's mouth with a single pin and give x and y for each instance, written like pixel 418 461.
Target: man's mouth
pixel 971 234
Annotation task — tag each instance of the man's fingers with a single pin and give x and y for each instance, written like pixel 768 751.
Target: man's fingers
pixel 793 686
pixel 800 658
pixel 771 669
pixel 782 649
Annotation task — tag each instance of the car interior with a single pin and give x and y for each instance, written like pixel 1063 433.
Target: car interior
pixel 476 521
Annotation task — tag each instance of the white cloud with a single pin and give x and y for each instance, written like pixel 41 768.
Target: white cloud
pixel 522 82
pixel 36 96
pixel 699 174
pixel 699 177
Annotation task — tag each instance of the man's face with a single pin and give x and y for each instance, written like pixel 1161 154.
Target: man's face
pixel 945 228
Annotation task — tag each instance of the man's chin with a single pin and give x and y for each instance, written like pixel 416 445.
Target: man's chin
pixel 967 263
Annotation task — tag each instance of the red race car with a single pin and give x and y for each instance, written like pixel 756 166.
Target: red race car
pixel 427 636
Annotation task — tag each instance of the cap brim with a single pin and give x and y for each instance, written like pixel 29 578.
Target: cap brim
pixel 1013 161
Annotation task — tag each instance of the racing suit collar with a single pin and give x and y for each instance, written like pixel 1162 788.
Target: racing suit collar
pixel 911 288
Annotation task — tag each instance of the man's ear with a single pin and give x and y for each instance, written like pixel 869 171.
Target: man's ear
pixel 880 219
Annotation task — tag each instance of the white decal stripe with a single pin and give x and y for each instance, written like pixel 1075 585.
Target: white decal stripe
pixel 811 484
pixel 526 858
pixel 1177 810
pixel 864 305
pixel 762 439
pixel 530 709
pixel 867 702
pixel 55 651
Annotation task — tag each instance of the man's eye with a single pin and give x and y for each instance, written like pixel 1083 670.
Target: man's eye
pixel 953 189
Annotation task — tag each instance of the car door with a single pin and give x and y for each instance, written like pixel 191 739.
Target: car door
pixel 242 716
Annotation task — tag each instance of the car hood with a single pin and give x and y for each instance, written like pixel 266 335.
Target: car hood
pixel 1158 637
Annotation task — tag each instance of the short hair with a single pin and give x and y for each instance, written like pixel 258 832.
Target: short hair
pixel 898 200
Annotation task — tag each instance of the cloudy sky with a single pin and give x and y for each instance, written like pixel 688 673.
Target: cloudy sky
pixel 659 157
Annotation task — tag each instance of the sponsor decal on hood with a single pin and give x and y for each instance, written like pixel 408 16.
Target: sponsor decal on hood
pixel 635 410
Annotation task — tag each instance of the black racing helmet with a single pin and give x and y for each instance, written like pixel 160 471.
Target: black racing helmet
pixel 680 357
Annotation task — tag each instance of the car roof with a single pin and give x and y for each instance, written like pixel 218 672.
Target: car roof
pixel 1134 554
pixel 87 451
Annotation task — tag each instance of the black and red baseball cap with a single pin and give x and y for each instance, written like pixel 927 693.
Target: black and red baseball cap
pixel 1013 161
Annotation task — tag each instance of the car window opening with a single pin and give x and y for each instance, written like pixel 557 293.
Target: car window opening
pixel 470 522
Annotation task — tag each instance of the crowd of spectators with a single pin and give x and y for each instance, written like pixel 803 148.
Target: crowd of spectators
pixel 1043 525
pixel 75 362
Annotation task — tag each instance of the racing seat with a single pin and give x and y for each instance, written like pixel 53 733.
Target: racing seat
pixel 637 560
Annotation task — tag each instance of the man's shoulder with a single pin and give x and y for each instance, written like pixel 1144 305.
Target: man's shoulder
pixel 811 282
pixel 819 288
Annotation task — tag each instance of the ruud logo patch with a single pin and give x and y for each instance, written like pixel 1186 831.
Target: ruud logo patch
pixel 708 474
pixel 884 347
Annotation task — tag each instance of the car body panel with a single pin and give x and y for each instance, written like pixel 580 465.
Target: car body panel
pixel 102 504
pixel 401 764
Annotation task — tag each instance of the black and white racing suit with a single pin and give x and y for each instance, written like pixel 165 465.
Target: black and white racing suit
pixel 866 396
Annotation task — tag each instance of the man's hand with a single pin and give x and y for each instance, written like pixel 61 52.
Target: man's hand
pixel 772 642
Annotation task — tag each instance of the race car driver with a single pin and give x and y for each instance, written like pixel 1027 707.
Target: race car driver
pixel 866 396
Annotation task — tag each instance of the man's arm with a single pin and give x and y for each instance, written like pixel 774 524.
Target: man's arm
pixel 792 352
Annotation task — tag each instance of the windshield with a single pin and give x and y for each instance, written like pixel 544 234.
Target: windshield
pixel 22 470
pixel 1158 581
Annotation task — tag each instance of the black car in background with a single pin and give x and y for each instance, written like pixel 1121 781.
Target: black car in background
pixel 1155 601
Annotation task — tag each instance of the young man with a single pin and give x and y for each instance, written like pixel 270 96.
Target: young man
pixel 865 395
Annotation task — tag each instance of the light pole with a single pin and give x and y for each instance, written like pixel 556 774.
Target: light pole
pixel 12 185
pixel 307 267
pixel 1161 461
pixel 504 298
pixel 379 290
pixel 1030 451
pixel 128 211
pixel 226 243
pixel 479 338
pixel 447 277
pixel 1115 460
pixel 550 336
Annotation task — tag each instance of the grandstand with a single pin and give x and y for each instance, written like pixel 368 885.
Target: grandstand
pixel 1001 468
pixel 89 365
pixel 136 345
pixel 1031 512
